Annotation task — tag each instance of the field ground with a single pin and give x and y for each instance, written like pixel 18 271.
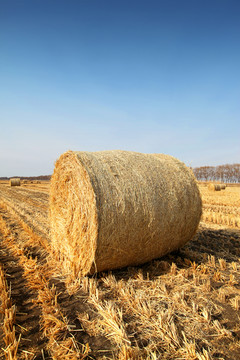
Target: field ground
pixel 183 306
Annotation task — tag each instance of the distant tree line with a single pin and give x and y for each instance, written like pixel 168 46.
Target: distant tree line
pixel 40 177
pixel 229 173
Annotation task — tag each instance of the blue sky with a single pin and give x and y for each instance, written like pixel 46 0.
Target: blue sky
pixel 147 76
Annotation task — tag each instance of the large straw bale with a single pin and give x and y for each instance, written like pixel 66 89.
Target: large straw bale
pixel 15 182
pixel 111 209
pixel 214 187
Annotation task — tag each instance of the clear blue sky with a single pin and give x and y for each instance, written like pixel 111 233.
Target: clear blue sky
pixel 148 76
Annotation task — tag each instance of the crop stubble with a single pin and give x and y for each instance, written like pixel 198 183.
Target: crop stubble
pixel 185 305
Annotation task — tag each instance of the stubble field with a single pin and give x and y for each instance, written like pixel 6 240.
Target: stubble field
pixel 183 306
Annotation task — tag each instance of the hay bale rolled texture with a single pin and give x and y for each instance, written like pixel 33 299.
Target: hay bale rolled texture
pixel 223 186
pixel 15 182
pixel 111 209
pixel 214 187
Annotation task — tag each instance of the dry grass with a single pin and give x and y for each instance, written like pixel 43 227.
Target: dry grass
pixel 8 312
pixel 183 306
pixel 223 208
pixel 54 324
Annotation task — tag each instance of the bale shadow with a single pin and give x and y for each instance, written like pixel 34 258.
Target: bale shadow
pixel 221 243
pixel 206 243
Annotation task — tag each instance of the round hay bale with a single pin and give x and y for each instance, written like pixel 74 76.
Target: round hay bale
pixel 214 187
pixel 211 187
pixel 15 182
pixel 111 209
pixel 223 186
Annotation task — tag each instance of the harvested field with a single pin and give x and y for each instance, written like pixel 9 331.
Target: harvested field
pixel 222 207
pixel 183 306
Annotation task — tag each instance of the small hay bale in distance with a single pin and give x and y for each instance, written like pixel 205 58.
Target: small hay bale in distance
pixel 214 187
pixel 112 209
pixel 223 186
pixel 15 182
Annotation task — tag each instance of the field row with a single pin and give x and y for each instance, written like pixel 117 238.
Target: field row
pixel 221 207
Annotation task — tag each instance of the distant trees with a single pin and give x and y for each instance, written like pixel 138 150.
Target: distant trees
pixel 40 177
pixel 229 173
